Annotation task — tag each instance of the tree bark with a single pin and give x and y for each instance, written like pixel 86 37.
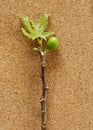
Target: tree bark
pixel 44 91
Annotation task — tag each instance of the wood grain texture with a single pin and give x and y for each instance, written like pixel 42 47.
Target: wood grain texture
pixel 69 70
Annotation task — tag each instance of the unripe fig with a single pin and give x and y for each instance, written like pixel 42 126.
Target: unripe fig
pixel 52 44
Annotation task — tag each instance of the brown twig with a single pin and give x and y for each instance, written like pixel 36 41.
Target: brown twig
pixel 44 90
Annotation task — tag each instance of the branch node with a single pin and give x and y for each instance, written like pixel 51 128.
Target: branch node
pixel 42 99
pixel 43 64
pixel 43 111
pixel 46 88
pixel 44 126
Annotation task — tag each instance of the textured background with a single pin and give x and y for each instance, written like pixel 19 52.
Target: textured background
pixel 69 70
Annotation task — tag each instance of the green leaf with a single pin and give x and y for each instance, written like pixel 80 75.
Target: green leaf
pixel 43 35
pixel 25 32
pixel 36 31
pixel 33 24
pixel 27 24
pixel 32 36
pixel 44 20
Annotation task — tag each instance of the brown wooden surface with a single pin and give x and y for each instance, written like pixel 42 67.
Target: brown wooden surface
pixel 69 70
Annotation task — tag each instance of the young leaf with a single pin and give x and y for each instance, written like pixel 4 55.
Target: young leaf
pixel 33 24
pixel 27 24
pixel 32 36
pixel 43 35
pixel 25 33
pixel 44 20
pixel 35 49
pixel 36 30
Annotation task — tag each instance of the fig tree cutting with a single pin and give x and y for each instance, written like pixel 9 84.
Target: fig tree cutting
pixel 46 42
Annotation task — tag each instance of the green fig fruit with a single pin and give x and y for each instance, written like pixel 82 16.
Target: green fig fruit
pixel 52 44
